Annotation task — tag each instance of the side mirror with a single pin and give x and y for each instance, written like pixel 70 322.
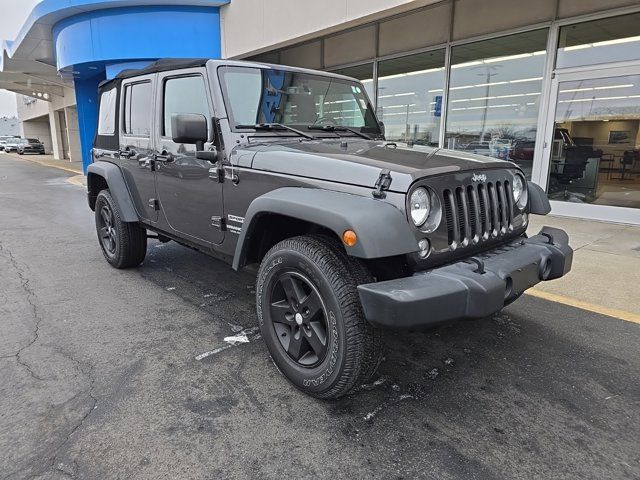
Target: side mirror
pixel 190 128
pixel 381 124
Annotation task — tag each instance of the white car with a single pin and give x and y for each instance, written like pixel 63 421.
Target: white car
pixel 12 144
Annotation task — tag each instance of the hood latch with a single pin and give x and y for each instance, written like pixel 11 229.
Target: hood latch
pixel 383 183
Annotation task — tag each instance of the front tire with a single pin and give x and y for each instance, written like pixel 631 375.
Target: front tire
pixel 123 244
pixel 311 318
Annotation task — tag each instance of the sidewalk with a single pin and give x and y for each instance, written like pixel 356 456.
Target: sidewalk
pixel 49 161
pixel 606 266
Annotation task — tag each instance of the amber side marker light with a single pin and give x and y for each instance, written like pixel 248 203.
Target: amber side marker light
pixel 349 238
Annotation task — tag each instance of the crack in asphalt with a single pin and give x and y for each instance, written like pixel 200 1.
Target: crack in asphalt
pixel 25 282
pixel 31 300
pixel 93 404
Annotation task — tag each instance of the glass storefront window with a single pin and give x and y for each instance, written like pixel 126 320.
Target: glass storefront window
pixel 410 97
pixel 607 40
pixel 364 73
pixel 494 97
pixel 595 155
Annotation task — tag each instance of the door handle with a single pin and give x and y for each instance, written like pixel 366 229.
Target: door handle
pixel 127 153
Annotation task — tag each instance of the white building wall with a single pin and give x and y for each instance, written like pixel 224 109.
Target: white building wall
pixel 252 26
pixel 33 112
pixel 38 129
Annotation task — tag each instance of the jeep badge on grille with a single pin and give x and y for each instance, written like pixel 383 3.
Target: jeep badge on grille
pixel 479 177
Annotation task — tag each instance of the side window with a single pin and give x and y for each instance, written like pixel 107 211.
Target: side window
pixel 183 95
pixel 137 109
pixel 107 116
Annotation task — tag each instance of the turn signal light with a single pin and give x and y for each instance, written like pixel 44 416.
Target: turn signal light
pixel 349 238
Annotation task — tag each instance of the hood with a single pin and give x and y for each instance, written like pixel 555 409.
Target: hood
pixel 359 162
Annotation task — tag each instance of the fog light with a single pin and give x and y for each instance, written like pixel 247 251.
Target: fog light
pixel 349 238
pixel 425 248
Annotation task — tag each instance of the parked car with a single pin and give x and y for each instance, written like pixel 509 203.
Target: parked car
pixel 479 148
pixel 30 145
pixel 3 142
pixel 522 150
pixel 11 145
pixel 255 164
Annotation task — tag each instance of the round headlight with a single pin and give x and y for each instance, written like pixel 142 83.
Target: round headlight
pixel 519 191
pixel 420 205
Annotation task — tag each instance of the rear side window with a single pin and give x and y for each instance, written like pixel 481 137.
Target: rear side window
pixel 183 95
pixel 137 109
pixel 107 117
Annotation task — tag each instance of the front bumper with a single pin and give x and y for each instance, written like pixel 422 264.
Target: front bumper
pixel 472 288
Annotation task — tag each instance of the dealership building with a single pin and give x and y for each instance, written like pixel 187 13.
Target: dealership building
pixel 553 85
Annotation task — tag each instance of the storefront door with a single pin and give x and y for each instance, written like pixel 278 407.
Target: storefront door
pixel 591 156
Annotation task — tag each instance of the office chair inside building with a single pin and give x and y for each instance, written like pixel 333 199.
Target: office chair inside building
pixel 627 163
pixel 572 168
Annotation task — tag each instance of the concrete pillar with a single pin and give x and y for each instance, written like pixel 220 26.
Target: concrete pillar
pixel 56 135
pixel 73 134
pixel 87 105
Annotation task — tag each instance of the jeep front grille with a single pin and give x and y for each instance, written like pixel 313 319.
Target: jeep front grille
pixel 478 212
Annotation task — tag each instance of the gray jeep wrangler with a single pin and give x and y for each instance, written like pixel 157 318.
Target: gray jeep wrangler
pixel 288 169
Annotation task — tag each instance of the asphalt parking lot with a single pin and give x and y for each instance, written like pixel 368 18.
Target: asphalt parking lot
pixel 127 374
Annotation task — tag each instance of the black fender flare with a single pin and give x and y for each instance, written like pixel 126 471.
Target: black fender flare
pixel 538 200
pixel 118 188
pixel 382 229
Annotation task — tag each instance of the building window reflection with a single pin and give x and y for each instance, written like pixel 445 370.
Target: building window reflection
pixel 364 73
pixel 614 39
pixel 494 97
pixel 409 100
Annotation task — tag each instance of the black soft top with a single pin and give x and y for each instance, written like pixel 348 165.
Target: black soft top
pixel 158 66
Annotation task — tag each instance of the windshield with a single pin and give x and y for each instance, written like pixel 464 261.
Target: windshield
pixel 254 96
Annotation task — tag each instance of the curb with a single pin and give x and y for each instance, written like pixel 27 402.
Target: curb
pixel 44 163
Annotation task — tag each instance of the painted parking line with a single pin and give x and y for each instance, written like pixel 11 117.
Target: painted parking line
pixel 591 307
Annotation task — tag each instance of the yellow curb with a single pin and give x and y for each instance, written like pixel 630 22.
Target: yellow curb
pixel 79 180
pixel 44 163
pixel 591 307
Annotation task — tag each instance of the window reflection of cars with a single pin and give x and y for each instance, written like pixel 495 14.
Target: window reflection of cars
pixel 479 148
pixel 522 150
pixel 500 148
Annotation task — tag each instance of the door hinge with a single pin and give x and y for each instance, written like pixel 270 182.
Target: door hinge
pixel 383 183
pixel 154 203
pixel 219 222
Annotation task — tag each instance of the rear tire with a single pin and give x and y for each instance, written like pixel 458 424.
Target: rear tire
pixel 311 319
pixel 123 244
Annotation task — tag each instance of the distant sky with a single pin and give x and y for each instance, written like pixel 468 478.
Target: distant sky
pixel 14 13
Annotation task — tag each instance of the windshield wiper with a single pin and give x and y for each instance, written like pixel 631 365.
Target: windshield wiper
pixel 339 128
pixel 276 126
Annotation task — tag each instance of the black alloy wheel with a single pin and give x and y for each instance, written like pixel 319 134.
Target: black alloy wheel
pixel 124 244
pixel 108 235
pixel 299 318
pixel 310 316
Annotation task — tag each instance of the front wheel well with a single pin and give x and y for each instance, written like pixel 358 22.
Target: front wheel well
pixel 272 228
pixel 95 184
